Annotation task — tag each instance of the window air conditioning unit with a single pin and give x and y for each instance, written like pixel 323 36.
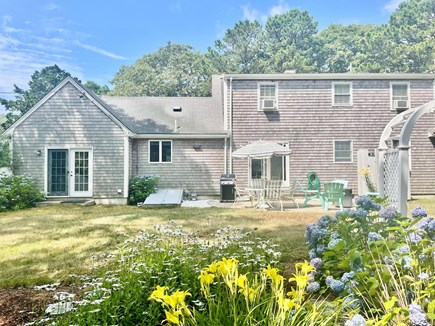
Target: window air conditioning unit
pixel 268 104
pixel 400 104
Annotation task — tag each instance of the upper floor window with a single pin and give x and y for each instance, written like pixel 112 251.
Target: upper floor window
pixel 400 96
pixel 160 151
pixel 342 151
pixel 268 96
pixel 342 94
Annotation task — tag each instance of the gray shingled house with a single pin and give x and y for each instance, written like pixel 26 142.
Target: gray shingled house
pixel 327 120
pixel 77 144
pixel 81 146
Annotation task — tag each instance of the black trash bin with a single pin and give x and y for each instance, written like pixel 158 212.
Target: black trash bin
pixel 347 203
pixel 228 184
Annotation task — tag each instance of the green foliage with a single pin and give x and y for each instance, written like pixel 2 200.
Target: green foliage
pixel 41 82
pixel 174 70
pixel 97 89
pixel 5 155
pixel 383 260
pixel 140 187
pixel 18 192
pixel 170 255
pixel 241 50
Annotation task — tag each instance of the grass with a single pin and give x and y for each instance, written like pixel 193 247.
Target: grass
pixel 46 244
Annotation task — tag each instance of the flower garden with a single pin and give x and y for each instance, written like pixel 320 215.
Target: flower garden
pixel 366 266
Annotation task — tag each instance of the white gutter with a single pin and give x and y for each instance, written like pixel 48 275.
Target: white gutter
pixel 181 136
pixel 231 123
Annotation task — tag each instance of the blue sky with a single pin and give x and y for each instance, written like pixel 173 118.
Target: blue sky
pixel 92 39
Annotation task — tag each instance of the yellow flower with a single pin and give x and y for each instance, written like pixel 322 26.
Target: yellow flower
pixel 364 172
pixel 173 317
pixel 305 267
pixel 242 281
pixel 213 267
pixel 206 277
pixel 277 279
pixel 286 304
pixel 227 266
pixel 301 280
pixel 159 293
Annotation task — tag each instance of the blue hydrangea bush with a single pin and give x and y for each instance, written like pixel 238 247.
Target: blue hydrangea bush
pixel 380 262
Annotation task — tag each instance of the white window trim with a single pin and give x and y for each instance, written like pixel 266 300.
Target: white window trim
pixel 350 93
pixel 392 108
pixel 351 150
pixel 160 151
pixel 259 84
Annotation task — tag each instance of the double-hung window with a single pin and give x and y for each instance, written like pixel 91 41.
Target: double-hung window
pixel 160 151
pixel 342 94
pixel 342 151
pixel 400 96
pixel 268 96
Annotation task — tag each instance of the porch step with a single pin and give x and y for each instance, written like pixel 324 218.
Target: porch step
pixel 56 202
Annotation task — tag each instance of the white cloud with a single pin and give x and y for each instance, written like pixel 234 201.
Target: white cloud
pixel 51 6
pixel 250 13
pixel 392 5
pixel 99 51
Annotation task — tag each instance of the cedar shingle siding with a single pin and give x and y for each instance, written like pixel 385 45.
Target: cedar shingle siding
pixel 310 123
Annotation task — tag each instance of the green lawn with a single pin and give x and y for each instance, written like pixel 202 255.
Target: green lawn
pixel 43 245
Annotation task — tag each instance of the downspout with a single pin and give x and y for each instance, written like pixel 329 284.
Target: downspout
pixel 231 123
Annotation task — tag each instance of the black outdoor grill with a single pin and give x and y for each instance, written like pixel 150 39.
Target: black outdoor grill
pixel 228 183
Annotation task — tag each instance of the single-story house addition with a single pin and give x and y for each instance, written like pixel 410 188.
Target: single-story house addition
pixel 79 145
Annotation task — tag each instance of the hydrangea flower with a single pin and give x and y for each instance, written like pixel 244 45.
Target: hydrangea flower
pixel 347 277
pixel 313 253
pixel 373 236
pixel 337 285
pixel 313 287
pixel 334 243
pixel 388 213
pixel 407 262
pixel 329 280
pixel 316 263
pixel 367 203
pixel 320 249
pixel 418 212
pixel 403 249
pixel 356 320
pixel 417 316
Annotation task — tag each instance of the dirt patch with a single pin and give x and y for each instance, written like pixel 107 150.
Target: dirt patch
pixel 23 305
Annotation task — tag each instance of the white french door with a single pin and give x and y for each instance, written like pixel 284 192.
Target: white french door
pixel 69 172
pixel 80 173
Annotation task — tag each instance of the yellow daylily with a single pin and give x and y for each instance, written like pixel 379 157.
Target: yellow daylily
pixel 301 280
pixel 159 293
pixel 242 281
pixel 305 267
pixel 173 317
pixel 206 278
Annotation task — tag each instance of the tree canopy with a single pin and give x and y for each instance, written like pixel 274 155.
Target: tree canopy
pixel 40 84
pixel 406 43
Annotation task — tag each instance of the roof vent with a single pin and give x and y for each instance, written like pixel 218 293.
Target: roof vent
pixel 177 108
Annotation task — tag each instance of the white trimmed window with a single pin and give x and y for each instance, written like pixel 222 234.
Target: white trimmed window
pixel 268 96
pixel 400 98
pixel 342 151
pixel 342 94
pixel 160 151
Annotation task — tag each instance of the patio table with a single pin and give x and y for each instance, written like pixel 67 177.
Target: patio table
pixel 259 197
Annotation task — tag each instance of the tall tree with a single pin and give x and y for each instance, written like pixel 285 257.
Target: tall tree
pixel 241 50
pixel 412 28
pixel 96 88
pixel 174 70
pixel 41 82
pixel 290 43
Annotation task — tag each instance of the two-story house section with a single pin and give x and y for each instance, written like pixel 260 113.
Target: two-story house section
pixel 324 119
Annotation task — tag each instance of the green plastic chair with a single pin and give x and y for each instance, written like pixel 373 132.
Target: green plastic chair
pixel 334 193
pixel 313 188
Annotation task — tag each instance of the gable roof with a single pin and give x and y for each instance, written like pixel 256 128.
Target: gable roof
pixel 331 76
pixel 89 94
pixel 156 115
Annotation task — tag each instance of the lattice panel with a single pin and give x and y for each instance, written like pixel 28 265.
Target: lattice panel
pixel 391 177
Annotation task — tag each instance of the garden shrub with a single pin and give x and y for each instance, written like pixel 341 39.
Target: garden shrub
pixel 379 261
pixel 18 192
pixel 140 187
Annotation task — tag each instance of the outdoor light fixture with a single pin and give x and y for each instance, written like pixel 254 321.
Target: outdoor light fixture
pixel 38 152
pixel 197 147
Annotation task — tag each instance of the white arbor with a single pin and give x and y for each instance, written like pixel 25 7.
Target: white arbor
pixel 393 161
